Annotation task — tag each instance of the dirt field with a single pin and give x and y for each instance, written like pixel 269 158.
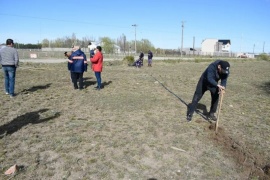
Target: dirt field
pixel 135 128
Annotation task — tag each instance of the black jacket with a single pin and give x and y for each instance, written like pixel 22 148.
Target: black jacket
pixel 211 75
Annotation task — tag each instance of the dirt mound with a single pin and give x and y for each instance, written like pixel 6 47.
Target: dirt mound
pixel 251 163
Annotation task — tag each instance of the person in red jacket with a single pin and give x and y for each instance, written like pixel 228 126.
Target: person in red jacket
pixel 97 64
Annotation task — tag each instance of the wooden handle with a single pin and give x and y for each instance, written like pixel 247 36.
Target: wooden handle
pixel 219 108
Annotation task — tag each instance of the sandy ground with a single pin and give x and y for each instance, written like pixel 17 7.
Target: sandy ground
pixel 135 127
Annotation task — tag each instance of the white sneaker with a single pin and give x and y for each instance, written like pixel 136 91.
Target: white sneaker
pixel 7 93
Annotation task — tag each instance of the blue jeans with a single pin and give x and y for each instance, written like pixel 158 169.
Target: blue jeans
pixel 98 76
pixel 9 73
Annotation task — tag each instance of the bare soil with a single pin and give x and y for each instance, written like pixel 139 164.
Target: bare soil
pixel 135 127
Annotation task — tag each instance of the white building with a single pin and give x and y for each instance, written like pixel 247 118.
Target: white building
pixel 215 45
pixel 208 45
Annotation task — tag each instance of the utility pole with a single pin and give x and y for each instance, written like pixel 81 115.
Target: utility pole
pixel 193 45
pixel 124 44
pixel 135 25
pixel 263 46
pixel 241 44
pixel 253 48
pixel 182 38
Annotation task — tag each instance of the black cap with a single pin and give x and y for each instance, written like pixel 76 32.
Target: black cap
pixel 225 67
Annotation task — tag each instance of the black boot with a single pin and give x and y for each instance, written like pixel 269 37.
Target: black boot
pixel 189 117
pixel 211 116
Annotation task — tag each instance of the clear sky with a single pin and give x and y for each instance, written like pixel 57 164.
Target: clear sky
pixel 245 22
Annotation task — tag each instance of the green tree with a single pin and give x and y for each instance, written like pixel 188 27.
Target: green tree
pixel 58 43
pixel 144 45
pixel 45 43
pixel 107 45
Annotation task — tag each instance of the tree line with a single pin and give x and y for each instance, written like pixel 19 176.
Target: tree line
pixel 108 44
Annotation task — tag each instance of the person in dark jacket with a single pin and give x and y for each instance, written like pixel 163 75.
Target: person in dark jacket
pixel 77 66
pixel 141 56
pixel 150 56
pixel 218 70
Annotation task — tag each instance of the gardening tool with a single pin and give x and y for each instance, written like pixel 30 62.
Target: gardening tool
pixel 219 108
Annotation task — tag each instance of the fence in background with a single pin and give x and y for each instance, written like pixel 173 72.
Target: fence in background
pixel 59 54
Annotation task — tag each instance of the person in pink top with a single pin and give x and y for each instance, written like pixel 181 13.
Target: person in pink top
pixel 97 64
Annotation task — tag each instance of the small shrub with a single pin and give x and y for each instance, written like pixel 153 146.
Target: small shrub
pixel 128 59
pixel 264 56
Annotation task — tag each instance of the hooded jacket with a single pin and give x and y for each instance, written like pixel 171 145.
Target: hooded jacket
pixel 77 62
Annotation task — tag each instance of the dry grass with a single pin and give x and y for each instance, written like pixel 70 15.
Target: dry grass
pixel 132 128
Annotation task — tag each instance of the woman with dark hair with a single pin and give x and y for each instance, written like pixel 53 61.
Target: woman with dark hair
pixel 97 64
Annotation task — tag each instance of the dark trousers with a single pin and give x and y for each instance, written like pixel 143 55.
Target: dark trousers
pixel 75 77
pixel 201 88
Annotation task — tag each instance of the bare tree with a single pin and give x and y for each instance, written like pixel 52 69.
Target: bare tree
pixel 121 42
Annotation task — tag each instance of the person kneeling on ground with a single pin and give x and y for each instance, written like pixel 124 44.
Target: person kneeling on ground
pixel 137 63
pixel 218 70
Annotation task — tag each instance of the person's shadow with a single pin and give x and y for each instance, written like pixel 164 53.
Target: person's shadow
pixel 199 106
pixel 202 110
pixel 35 88
pixel 106 83
pixel 266 87
pixel 88 83
pixel 25 119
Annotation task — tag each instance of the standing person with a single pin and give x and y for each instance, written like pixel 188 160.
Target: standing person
pixel 78 65
pixel 68 54
pixel 97 64
pixel 218 70
pixel 150 56
pixel 9 60
pixel 141 58
pixel 91 48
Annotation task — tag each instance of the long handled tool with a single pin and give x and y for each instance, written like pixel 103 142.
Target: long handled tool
pixel 219 108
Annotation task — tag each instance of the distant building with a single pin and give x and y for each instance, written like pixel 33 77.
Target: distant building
pixel 224 45
pixel 117 49
pixel 216 45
